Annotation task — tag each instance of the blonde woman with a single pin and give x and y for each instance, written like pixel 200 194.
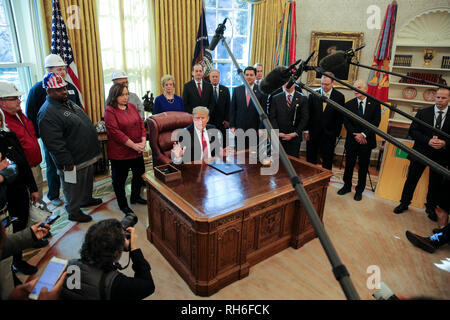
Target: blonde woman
pixel 168 101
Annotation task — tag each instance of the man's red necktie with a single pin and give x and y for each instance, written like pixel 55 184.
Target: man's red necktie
pixel 199 88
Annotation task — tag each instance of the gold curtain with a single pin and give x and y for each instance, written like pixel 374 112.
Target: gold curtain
pixel 176 25
pixel 85 44
pixel 266 23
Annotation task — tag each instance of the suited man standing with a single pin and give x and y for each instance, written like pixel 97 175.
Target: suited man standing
pixel 324 124
pixel 431 145
pixel 243 113
pixel 360 141
pixel 259 72
pixel 197 92
pixel 221 115
pixel 289 114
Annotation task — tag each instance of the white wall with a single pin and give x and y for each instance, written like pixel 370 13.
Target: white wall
pixel 351 15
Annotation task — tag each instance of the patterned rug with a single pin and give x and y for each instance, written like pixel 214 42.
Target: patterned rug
pixel 102 189
pixel 338 177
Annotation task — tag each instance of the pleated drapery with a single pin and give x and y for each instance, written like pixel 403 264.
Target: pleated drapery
pixel 267 18
pixel 176 24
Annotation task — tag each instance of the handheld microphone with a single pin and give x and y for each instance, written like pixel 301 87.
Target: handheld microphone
pixel 218 35
pixel 277 78
pixel 338 59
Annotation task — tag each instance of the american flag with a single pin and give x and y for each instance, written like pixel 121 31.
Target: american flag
pixel 61 46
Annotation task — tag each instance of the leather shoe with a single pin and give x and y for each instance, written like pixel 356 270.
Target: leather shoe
pixel 431 214
pixel 358 196
pixel 92 202
pixel 127 210
pixel 421 242
pixel 23 267
pixel 79 217
pixel 344 190
pixel 400 208
pixel 138 200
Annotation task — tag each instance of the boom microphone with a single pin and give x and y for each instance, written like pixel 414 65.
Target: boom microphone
pixel 303 67
pixel 338 59
pixel 277 78
pixel 218 35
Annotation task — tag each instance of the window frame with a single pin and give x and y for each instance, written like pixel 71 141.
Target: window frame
pixel 243 62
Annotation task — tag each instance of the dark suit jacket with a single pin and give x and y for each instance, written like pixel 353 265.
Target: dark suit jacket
pixel 372 114
pixel 192 99
pixel 328 122
pixel 422 135
pixel 288 120
pixel 222 108
pixel 244 117
pixel 193 146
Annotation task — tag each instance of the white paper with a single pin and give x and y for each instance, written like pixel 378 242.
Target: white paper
pixel 71 176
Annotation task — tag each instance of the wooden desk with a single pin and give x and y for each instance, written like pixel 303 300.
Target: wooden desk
pixel 213 227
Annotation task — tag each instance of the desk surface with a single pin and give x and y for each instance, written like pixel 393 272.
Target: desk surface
pixel 207 193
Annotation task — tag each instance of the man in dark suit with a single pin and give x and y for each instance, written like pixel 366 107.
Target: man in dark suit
pixel 289 114
pixel 259 72
pixel 243 113
pixel 199 141
pixel 197 92
pixel 324 125
pixel 360 141
pixel 431 145
pixel 221 115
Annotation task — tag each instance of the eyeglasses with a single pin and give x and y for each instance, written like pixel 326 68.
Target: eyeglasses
pixel 11 99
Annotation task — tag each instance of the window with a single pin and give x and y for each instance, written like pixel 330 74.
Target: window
pixel 122 47
pixel 19 44
pixel 237 35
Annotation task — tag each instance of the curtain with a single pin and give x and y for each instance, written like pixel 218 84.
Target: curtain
pixel 267 19
pixel 176 23
pixel 128 42
pixel 86 47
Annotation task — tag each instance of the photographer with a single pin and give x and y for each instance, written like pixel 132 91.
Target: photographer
pixel 100 279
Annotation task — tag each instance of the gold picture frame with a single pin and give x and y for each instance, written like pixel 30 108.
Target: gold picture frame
pixel 324 43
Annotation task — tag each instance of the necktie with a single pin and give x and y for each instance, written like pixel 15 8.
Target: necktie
pixel 199 88
pixel 247 97
pixel 324 104
pixel 360 109
pixel 439 120
pixel 204 144
pixel 289 100
pixel 216 95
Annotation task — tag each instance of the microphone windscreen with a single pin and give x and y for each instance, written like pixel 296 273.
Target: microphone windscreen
pixel 274 80
pixel 215 40
pixel 333 61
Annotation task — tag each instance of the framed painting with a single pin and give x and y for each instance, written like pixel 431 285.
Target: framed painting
pixel 328 42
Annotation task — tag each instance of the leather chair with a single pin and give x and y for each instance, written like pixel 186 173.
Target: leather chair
pixel 161 126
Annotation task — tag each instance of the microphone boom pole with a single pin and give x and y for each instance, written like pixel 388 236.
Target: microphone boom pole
pixel 420 157
pixel 400 75
pixel 395 109
pixel 339 270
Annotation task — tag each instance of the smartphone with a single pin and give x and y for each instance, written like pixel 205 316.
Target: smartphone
pixel 49 277
pixel 50 220
pixel 8 220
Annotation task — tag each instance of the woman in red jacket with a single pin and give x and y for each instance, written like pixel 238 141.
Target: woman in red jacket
pixel 126 143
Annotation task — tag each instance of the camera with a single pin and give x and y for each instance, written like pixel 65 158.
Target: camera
pixel 127 222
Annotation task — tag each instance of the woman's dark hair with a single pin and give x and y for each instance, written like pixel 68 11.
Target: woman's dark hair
pixel 115 91
pixel 101 242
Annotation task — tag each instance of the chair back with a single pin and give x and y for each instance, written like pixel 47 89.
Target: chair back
pixel 161 126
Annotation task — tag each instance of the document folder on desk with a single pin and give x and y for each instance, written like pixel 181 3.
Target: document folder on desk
pixel 226 168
